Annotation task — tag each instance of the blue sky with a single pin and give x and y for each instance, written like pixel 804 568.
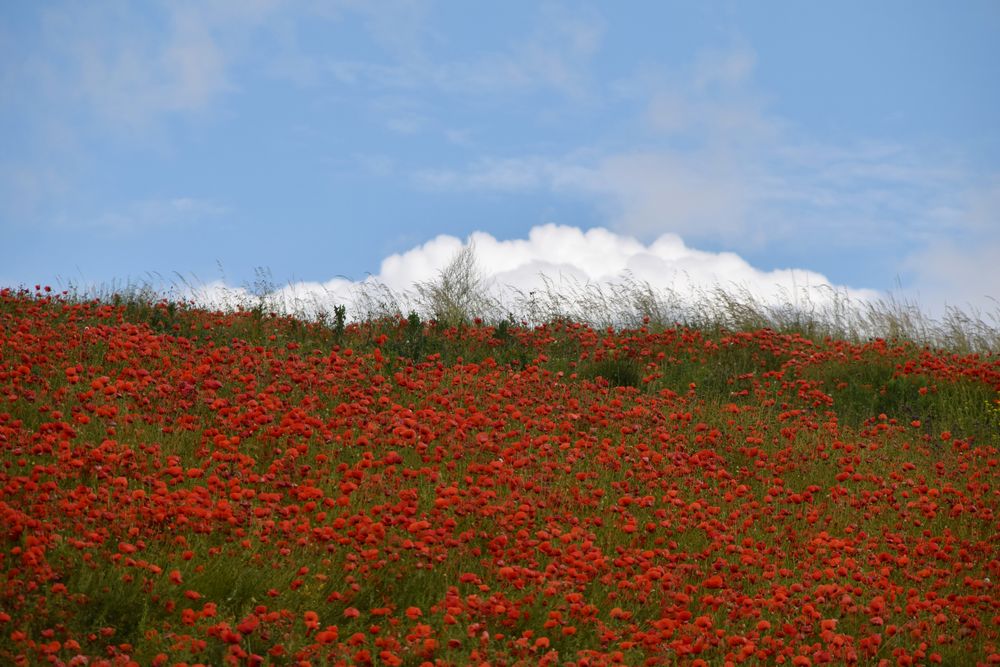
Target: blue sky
pixel 855 143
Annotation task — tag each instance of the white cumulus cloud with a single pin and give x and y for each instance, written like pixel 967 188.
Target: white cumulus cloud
pixel 561 258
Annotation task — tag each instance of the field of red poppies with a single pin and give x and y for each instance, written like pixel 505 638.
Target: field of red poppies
pixel 187 487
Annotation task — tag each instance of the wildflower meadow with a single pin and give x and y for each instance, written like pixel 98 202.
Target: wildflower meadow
pixel 183 486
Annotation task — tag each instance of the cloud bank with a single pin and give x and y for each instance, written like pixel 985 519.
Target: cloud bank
pixel 560 258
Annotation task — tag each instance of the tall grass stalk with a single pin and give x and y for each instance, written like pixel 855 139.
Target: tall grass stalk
pixel 460 294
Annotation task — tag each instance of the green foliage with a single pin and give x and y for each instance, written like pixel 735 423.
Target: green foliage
pixel 993 417
pixel 502 332
pixel 723 367
pixel 618 371
pixel 414 341
pixel 505 347
pixel 107 601
pixel 339 321
pixel 863 390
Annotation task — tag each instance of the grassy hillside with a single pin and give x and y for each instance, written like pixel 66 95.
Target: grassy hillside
pixel 185 486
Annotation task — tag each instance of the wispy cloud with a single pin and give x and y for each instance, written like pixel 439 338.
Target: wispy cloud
pixel 126 69
pixel 171 213
pixel 692 176
pixel 90 74
pixel 550 57
pixel 946 273
pixel 726 68
pixel 500 174
pixel 643 193
pixel 553 57
pixel 25 189
pixel 131 64
pixel 958 266
pixel 717 165
pixel 858 197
